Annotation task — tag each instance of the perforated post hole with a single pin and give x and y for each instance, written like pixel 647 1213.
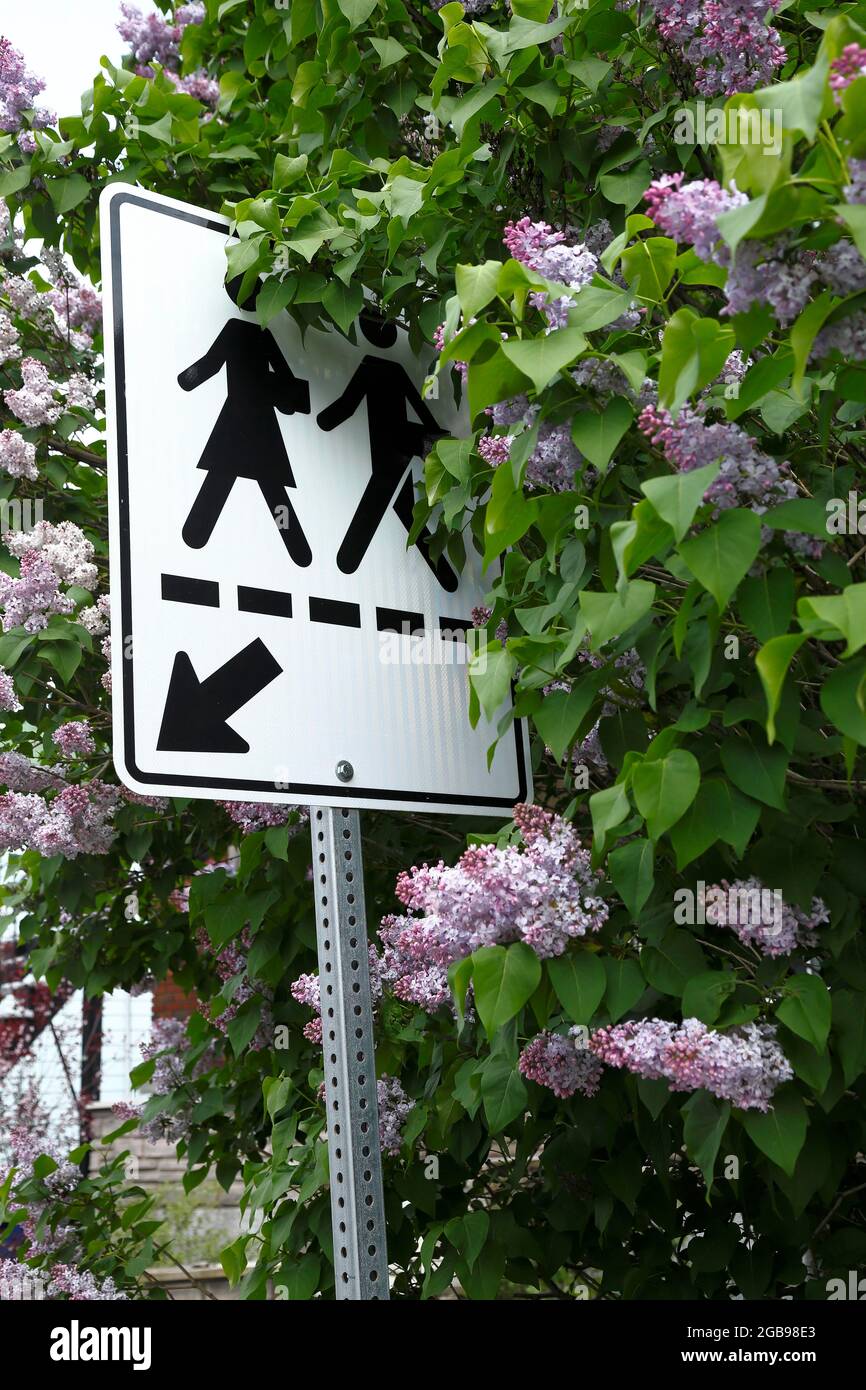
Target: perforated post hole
pixel 357 1207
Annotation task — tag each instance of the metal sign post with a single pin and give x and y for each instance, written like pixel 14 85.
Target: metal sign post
pixel 354 1155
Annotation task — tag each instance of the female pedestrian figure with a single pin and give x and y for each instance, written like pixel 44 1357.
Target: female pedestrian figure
pixel 246 441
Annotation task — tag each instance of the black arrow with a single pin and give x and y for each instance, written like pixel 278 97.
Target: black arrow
pixel 194 720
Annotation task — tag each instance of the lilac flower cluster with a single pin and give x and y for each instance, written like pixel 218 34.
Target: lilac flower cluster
pixel 152 37
pixel 395 1107
pixel 554 459
pixel 95 618
pixel 688 213
pixel 35 401
pixel 25 1148
pixel 63 546
pixel 850 64
pixel 8 698
pixel 855 191
pixel 747 477
pixel 743 1066
pixel 306 990
pixel 74 738
pixel 19 774
pixel 165 1047
pixel 562 1063
pixel 79 1286
pixel 33 597
pixel 588 752
pixel 842 269
pixel 727 42
pixel 10 350
pixel 769 273
pixel 17 456
pixel 544 895
pixel 760 919
pixel 250 816
pixel 847 337
pixel 540 248
pixel 231 966
pixel 76 821
pixel 19 89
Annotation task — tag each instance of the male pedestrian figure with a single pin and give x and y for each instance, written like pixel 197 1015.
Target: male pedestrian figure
pixel 394 441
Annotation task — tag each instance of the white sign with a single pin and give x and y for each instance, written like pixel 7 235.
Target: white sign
pixel 273 639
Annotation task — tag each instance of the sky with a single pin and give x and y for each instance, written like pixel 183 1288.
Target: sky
pixel 62 42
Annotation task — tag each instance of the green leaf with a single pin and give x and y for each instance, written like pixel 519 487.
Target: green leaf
pixel 579 982
pixel 625 985
pixel 491 671
pixel 288 169
pixel 357 11
pixel 722 555
pixel 597 433
pixel 542 358
pixel 503 1092
pixel 694 351
pixel 649 265
pixel 843 613
pixel 631 868
pixel 843 699
pixel 805 1009
pixel 706 1120
pixel 273 298
pixel 706 992
pixel 676 499
pixel 756 768
pixel 849 1032
pixel 718 812
pixel 672 961
pixel 772 662
pixel 68 191
pixel 607 615
pixel 766 603
pixel 343 302
pixel 561 713
pixel 476 286
pixel 781 1133
pixel 664 788
pixel 608 808
pixel 503 980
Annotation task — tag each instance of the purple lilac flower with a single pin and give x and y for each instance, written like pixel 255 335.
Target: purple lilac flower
pixel 538 246
pixel 79 1285
pixel 748 477
pixel 768 273
pixel 561 1063
pixel 19 89
pixel 855 191
pixel 261 815
pixel 75 737
pixel 9 348
pixel 688 213
pixel 8 698
pixel 544 895
pixel 19 774
pixel 29 600
pixel 34 402
pixel 761 918
pixel 395 1107
pixel 17 456
pixel 63 546
pixel 727 42
pixel 850 64
pixel 744 1065
pixel 847 337
pixel 494 448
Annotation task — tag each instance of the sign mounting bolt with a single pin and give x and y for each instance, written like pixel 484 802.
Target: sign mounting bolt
pixel 344 770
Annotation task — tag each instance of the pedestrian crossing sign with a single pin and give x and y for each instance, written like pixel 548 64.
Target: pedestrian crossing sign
pixel 274 636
